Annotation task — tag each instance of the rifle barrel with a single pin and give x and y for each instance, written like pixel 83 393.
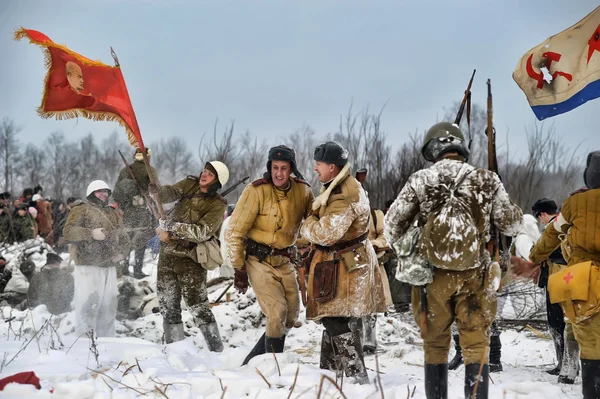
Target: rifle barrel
pixel 463 103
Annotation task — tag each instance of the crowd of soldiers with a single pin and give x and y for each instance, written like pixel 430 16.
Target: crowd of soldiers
pixel 331 252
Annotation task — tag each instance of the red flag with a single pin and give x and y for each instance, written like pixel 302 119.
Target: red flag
pixel 77 86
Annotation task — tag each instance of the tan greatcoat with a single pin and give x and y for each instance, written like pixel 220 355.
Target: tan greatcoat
pixel 341 213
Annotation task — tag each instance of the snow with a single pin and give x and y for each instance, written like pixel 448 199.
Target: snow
pixel 137 363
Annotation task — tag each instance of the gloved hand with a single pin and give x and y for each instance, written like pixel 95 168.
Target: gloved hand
pixel 98 234
pixel 137 200
pixel 166 225
pixel 240 280
pixel 153 189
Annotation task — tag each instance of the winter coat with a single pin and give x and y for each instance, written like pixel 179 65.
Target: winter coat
pixel 53 287
pixel 44 220
pixel 379 243
pixel 127 194
pixel 226 270
pixel 5 230
pixel 84 249
pixel 268 216
pixel 481 189
pixel 58 224
pixel 376 235
pixel 527 237
pixel 195 218
pixel 24 227
pixel 579 217
pixel 341 213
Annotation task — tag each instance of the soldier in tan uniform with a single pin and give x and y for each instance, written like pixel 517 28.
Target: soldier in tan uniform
pixel 577 224
pixel 196 218
pixel 260 241
pixel 344 283
pixel 455 203
pixel 98 245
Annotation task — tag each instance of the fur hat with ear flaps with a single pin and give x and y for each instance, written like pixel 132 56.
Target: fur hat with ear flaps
pixel 282 153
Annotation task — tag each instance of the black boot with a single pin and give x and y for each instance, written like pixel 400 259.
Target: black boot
pixel 327 361
pixel 275 345
pixel 436 381
pixel 457 360
pixel 350 354
pixel 570 365
pixel 495 354
pixel 139 263
pixel 471 374
pixel 559 347
pixel 590 375
pixel 259 349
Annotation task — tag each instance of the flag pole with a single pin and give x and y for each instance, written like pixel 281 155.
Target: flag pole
pixel 161 211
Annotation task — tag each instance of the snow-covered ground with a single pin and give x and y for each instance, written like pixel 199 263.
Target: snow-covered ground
pixel 136 363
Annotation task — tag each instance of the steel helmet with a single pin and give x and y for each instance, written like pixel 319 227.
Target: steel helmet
pixel 442 138
pixel 95 186
pixel 222 171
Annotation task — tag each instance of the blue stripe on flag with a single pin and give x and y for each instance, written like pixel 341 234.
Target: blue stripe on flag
pixel 589 92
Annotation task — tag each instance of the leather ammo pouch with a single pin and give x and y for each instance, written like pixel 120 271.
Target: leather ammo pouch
pixel 325 280
pixel 354 257
pixel 577 289
pixel 353 252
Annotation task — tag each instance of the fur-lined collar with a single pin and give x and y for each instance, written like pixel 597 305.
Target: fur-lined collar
pixel 321 200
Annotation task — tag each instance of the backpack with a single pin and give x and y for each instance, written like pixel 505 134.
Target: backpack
pixel 450 237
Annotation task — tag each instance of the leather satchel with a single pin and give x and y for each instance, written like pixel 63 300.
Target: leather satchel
pixel 325 280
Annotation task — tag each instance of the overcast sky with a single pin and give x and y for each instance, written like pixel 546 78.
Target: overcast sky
pixel 275 66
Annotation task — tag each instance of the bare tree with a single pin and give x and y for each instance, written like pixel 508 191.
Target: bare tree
pixel 62 164
pixel 34 165
pixel 9 151
pixel 407 161
pixel 111 160
pixel 173 160
pixel 304 142
pixel 550 168
pixel 361 134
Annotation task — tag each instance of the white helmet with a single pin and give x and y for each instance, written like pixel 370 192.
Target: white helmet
pixel 222 171
pixel 96 185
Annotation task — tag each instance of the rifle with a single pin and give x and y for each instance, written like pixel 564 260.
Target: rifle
pixel 498 242
pixel 148 202
pixel 466 101
pixel 230 189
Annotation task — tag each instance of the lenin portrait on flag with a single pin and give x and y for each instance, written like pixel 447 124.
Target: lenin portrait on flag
pixel 75 76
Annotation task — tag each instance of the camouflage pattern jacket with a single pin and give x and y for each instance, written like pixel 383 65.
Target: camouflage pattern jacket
pixel 127 194
pixel 24 227
pixel 195 218
pixel 482 190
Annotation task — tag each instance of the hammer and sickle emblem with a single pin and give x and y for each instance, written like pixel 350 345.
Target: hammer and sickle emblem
pixel 549 57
